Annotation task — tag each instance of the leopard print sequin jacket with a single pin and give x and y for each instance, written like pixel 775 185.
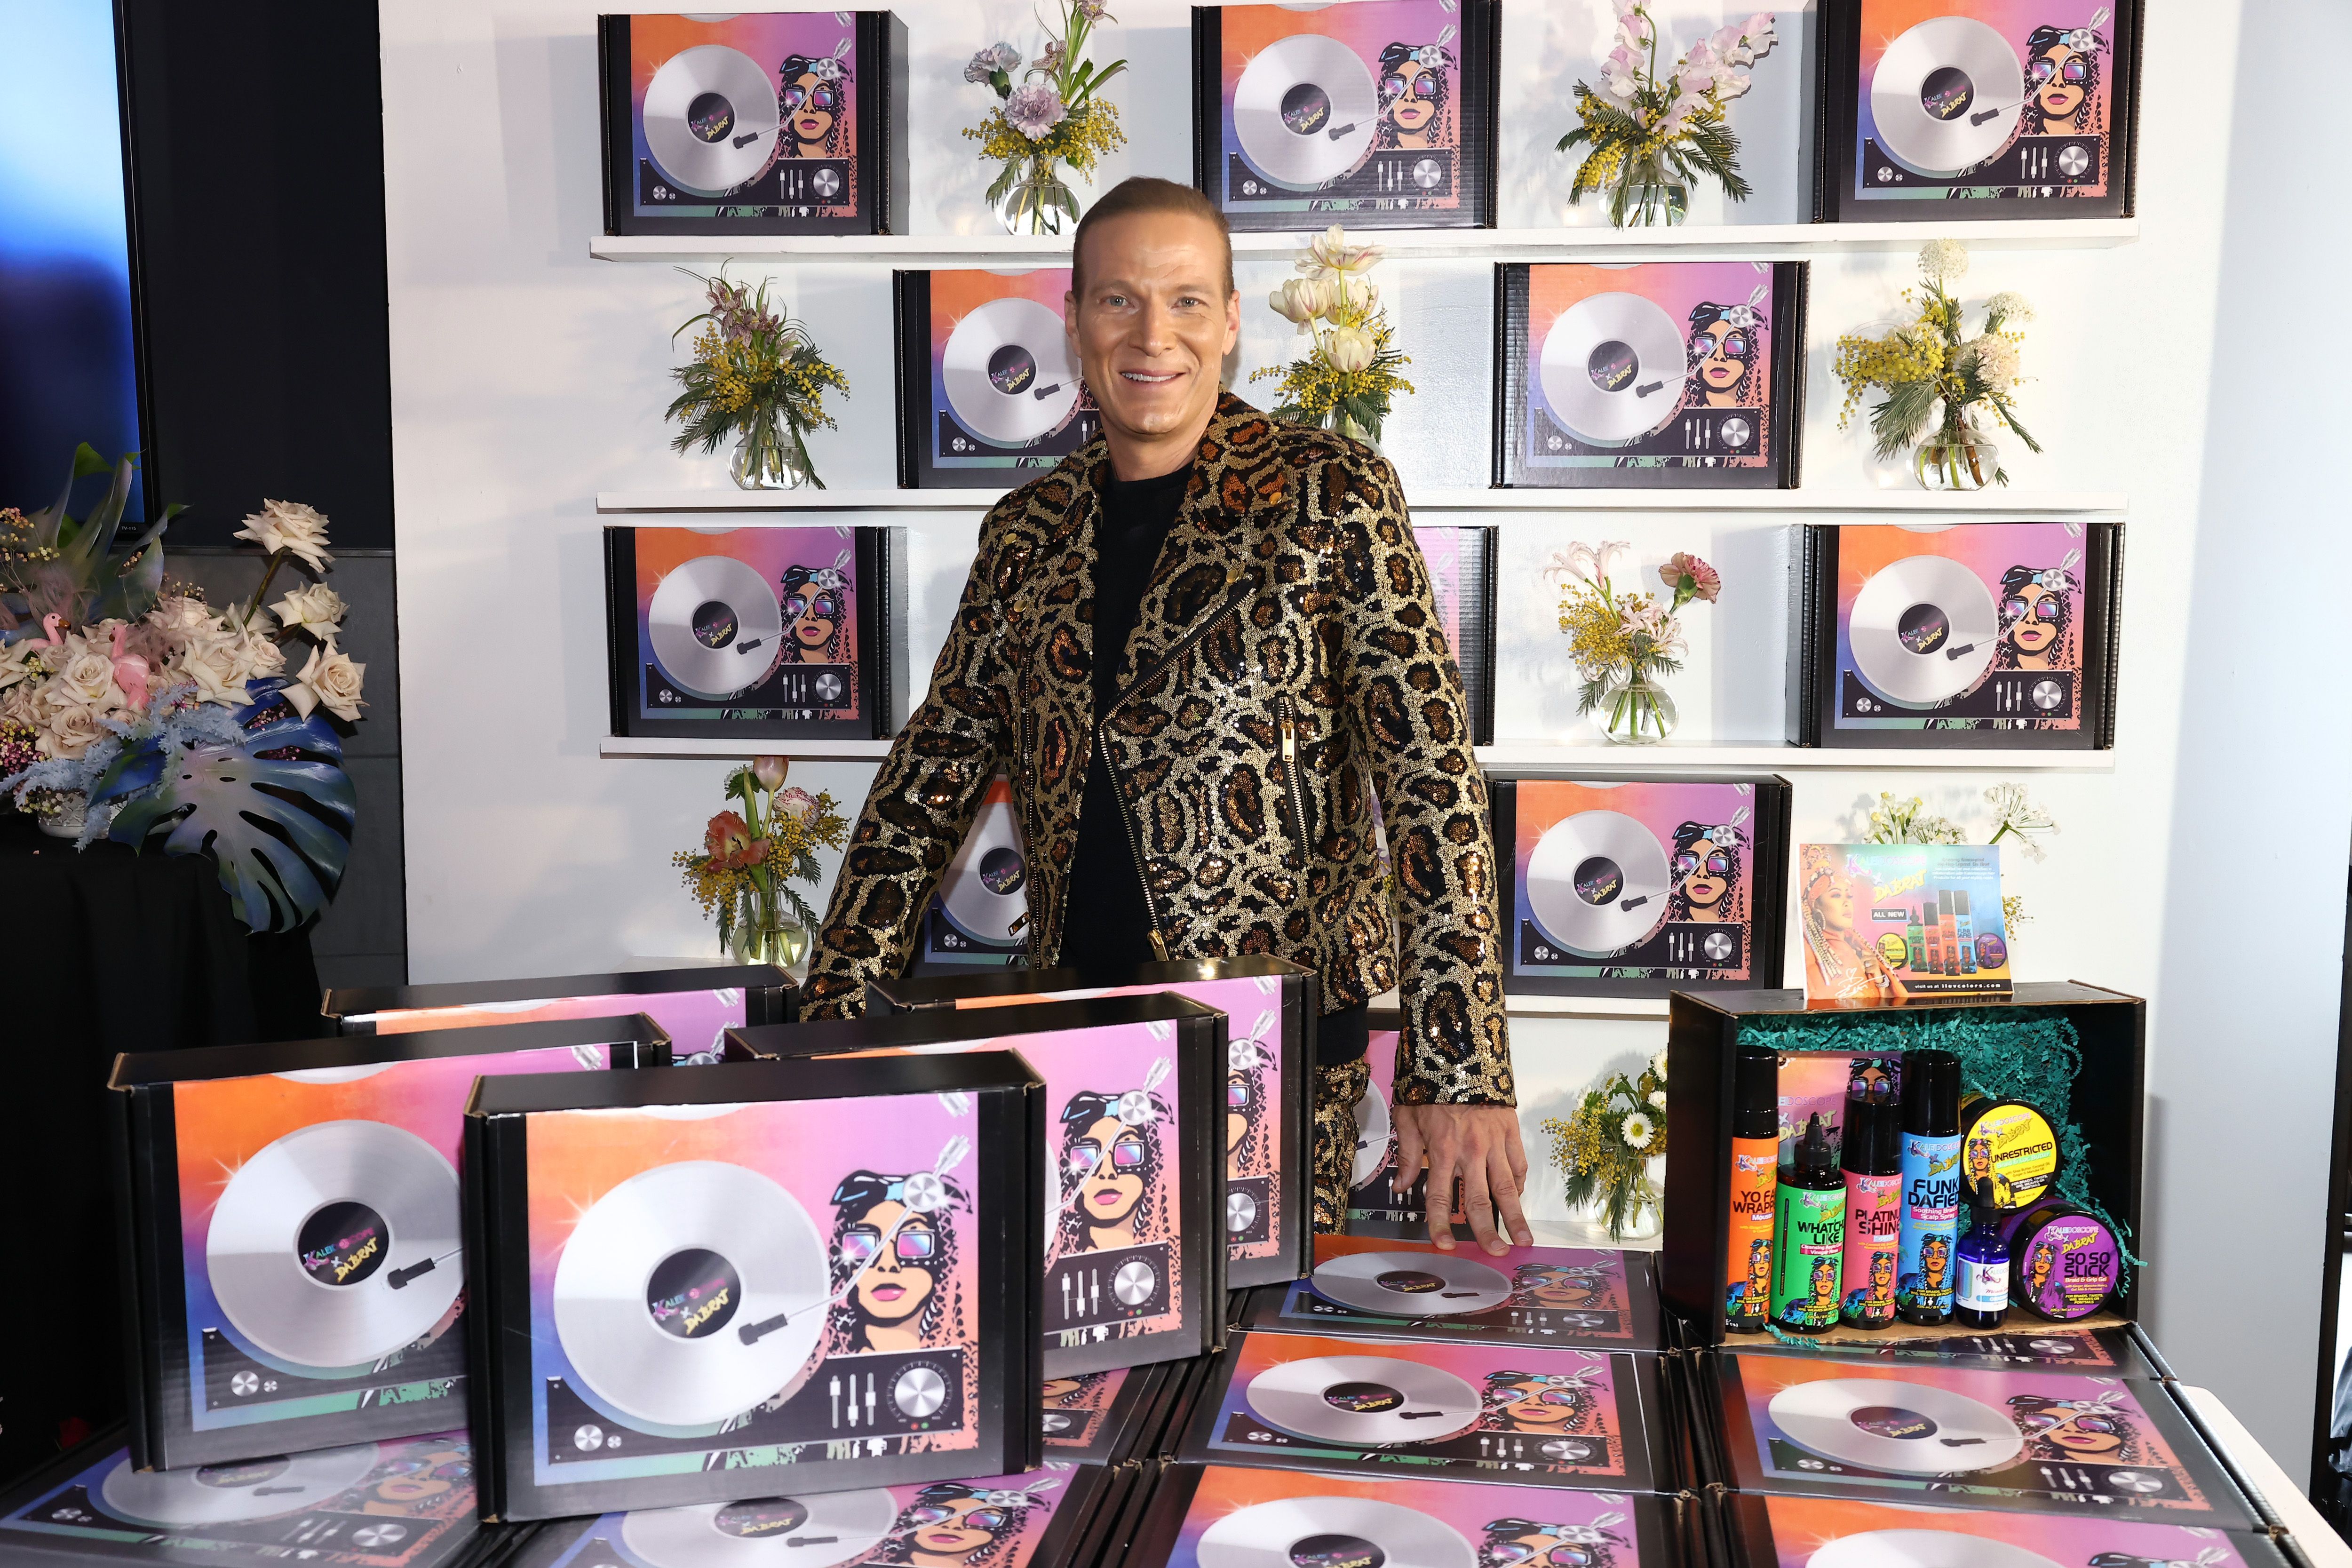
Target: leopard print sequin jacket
pixel 1287 651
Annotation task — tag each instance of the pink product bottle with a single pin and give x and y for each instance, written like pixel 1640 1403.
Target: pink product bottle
pixel 1872 1160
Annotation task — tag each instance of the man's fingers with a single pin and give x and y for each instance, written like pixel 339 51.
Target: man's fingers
pixel 1506 1200
pixel 1478 1206
pixel 1409 1155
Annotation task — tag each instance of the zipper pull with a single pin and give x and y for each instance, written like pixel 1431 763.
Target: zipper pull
pixel 1289 743
pixel 1158 946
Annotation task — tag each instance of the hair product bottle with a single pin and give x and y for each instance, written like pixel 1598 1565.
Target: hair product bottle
pixel 1872 1164
pixel 1935 939
pixel 1809 1236
pixel 1931 1186
pixel 1914 936
pixel 1966 930
pixel 1951 932
pixel 1982 1298
pixel 1755 1178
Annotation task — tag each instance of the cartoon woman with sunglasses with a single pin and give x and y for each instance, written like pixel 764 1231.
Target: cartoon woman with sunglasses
pixel 1561 1287
pixel 814 95
pixel 2037 618
pixel 816 601
pixel 894 1258
pixel 2039 1268
pixel 954 1524
pixel 1415 97
pixel 2098 1429
pixel 1706 865
pixel 2061 81
pixel 1726 342
pixel 1110 1166
pixel 1528 1544
pixel 1245 1065
pixel 1547 1402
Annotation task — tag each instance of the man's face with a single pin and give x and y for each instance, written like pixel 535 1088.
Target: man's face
pixel 1156 322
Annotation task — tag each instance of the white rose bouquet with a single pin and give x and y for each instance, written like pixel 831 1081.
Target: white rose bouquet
pixel 1347 381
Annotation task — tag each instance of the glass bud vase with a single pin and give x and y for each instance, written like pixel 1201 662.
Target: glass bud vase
pixel 770 458
pixel 1648 196
pixel 1959 458
pixel 768 938
pixel 1635 711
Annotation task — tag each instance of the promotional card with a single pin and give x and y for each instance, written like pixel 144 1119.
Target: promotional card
pixel 1475 1411
pixel 1638 887
pixel 756 123
pixel 407 1503
pixel 989 390
pixel 1376 1288
pixel 1822 1532
pixel 1378 114
pixel 752 632
pixel 2039 1440
pixel 1661 373
pixel 1886 922
pixel 2029 104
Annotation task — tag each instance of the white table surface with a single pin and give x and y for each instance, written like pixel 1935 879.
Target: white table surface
pixel 2312 1535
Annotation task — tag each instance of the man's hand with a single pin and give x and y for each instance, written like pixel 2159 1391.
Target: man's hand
pixel 1479 1144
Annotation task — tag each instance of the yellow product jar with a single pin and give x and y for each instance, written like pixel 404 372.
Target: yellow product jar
pixel 2011 1145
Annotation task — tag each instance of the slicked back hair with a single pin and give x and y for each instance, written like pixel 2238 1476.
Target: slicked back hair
pixel 1144 194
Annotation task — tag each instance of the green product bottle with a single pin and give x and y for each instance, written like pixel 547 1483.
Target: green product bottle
pixel 1809 1236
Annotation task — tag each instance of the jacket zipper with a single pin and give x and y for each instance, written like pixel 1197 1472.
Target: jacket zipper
pixel 1110 763
pixel 1024 762
pixel 1294 802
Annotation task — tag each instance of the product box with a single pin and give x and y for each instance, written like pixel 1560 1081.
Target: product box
pixel 401 1503
pixel 754 122
pixel 1986 636
pixel 2105 1029
pixel 1837 1533
pixel 1637 887
pixel 1101 1417
pixel 1370 1288
pixel 2028 1439
pixel 1687 375
pixel 1884 923
pixel 290 1230
pixel 1373 1209
pixel 2020 109
pixel 979 917
pixel 755 632
pixel 1030 1520
pixel 694 1004
pixel 1225 1516
pixel 1133 1271
pixel 1462 579
pixel 1270 1007
pixel 1376 115
pixel 1594 1420
pixel 752 1278
pixel 990 391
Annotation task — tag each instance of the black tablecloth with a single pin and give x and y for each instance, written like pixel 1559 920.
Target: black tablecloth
pixel 102 952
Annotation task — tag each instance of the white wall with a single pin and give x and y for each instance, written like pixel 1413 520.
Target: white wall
pixel 526 377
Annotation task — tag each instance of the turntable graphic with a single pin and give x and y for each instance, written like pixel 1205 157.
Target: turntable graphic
pixel 1304 111
pixel 720 629
pixel 1598 883
pixel 1924 631
pixel 982 909
pixel 1332 1532
pixel 1009 376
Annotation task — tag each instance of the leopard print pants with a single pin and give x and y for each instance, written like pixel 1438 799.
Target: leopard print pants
pixel 1336 1094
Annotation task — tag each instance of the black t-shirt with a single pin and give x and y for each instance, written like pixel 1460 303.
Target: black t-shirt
pixel 1107 923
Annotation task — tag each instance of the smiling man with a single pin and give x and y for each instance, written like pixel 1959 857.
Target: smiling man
pixel 1200 648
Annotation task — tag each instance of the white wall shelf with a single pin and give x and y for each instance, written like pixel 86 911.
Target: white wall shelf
pixel 1744 242
pixel 1909 504
pixel 728 750
pixel 1519 758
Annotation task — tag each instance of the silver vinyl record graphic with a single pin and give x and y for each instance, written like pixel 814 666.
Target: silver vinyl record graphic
pixel 230 1494
pixel 1923 1548
pixel 1946 95
pixel 338 1244
pixel 716 626
pixel 986 890
pixel 1924 630
pixel 764 1532
pixel 1367 1400
pixel 1009 373
pixel 1305 110
pixel 1612 368
pixel 1410 1284
pixel 1907 1429
pixel 1374 1130
pixel 691 1293
pixel 711 119
pixel 1330 1533
pixel 1598 882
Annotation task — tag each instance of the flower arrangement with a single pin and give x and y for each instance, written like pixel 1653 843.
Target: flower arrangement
pixel 1623 640
pixel 1929 361
pixel 750 859
pixel 1603 1147
pixel 1347 381
pixel 755 375
pixel 2014 816
pixel 131 708
pixel 1048 118
pixel 1649 135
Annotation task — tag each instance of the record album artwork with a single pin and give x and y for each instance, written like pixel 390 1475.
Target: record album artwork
pixel 758 122
pixel 1380 113
pixel 1825 1533
pixel 1227 1516
pixel 2026 108
pixel 1684 373
pixel 1887 924
pixel 1094 1418
pixel 1462 567
pixel 1989 634
pixel 1637 887
pixel 1378 1288
pixel 752 632
pixel 989 387
pixel 406 1503
pixel 980 915
pixel 299 1248
pixel 2041 1440
pixel 1479 1412
pixel 1026 1521
pixel 695 1007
